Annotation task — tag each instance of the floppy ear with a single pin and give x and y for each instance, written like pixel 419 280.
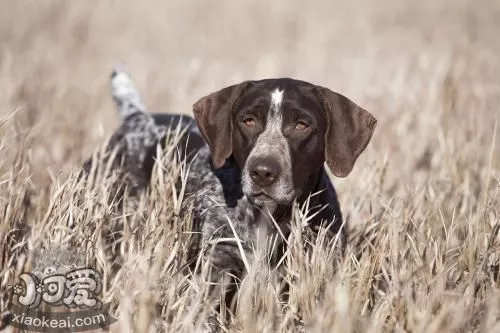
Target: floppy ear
pixel 213 114
pixel 349 130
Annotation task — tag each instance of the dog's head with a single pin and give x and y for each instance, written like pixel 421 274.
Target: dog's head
pixel 280 132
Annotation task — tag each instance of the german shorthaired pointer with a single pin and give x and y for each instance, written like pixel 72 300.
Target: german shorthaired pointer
pixel 266 145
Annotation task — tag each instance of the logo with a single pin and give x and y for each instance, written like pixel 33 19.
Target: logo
pixel 59 302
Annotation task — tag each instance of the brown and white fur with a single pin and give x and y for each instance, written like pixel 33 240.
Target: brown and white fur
pixel 264 147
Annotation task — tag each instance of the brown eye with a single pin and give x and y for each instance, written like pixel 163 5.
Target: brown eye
pixel 301 125
pixel 250 122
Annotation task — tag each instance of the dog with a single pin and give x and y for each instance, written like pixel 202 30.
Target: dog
pixel 260 146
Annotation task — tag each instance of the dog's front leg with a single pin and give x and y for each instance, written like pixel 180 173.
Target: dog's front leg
pixel 224 261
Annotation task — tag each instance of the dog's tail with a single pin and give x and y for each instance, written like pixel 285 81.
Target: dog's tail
pixel 125 94
pixel 133 144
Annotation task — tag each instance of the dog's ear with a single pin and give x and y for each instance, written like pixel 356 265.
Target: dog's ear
pixel 213 114
pixel 349 130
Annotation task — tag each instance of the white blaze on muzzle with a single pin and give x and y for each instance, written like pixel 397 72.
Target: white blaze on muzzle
pixel 271 143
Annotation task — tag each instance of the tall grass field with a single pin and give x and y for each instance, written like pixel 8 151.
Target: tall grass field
pixel 422 203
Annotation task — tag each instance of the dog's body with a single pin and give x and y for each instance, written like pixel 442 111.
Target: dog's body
pixel 264 147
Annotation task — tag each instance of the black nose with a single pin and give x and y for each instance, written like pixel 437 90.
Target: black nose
pixel 264 172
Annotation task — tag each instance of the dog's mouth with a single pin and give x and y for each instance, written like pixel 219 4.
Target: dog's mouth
pixel 261 198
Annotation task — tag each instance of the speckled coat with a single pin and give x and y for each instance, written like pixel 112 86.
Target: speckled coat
pixel 225 221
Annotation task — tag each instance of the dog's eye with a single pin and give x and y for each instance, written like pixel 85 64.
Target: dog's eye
pixel 300 125
pixel 250 122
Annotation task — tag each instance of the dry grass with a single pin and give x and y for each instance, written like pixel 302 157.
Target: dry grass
pixel 422 202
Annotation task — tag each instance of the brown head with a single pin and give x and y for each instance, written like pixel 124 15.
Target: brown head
pixel 280 132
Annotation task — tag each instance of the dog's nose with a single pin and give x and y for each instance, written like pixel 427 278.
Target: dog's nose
pixel 264 172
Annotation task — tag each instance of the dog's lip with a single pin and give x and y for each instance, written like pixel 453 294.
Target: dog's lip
pixel 264 197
